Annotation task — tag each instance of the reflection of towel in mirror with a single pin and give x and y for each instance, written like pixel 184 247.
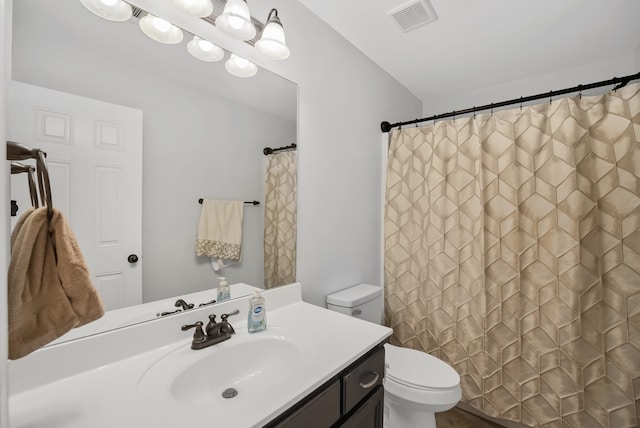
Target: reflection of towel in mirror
pixel 220 229
pixel 49 286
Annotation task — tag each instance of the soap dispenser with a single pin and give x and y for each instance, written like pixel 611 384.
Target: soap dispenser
pixel 257 317
pixel 224 292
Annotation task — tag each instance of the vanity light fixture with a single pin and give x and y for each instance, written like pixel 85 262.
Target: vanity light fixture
pixel 240 67
pixel 204 50
pixel 160 30
pixel 272 43
pixel 113 10
pixel 235 20
pixel 200 8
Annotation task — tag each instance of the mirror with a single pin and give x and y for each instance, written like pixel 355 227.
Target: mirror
pixel 203 133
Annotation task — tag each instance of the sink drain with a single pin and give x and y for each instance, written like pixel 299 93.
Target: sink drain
pixel 229 393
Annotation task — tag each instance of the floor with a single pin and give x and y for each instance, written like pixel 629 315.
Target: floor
pixel 457 418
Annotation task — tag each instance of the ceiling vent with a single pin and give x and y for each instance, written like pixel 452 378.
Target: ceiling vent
pixel 414 14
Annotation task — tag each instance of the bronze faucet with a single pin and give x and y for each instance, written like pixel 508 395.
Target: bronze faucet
pixel 216 332
pixel 182 304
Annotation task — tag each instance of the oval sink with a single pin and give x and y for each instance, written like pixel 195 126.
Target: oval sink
pixel 243 366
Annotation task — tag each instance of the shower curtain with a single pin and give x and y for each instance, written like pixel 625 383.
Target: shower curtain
pixel 280 219
pixel 512 252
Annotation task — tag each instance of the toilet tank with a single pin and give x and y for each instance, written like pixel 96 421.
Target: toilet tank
pixel 362 301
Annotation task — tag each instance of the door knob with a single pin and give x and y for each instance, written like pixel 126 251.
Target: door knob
pixel 132 258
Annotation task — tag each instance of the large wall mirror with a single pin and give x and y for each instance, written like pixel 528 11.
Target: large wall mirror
pixel 202 134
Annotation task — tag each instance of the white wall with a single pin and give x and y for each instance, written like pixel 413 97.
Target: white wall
pixel 5 55
pixel 195 145
pixel 343 97
pixel 556 79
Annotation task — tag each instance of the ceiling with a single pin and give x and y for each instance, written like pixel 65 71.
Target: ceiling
pixel 475 44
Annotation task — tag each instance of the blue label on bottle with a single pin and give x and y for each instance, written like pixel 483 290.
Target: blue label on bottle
pixel 257 309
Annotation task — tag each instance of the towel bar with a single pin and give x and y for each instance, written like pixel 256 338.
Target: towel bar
pixel 246 202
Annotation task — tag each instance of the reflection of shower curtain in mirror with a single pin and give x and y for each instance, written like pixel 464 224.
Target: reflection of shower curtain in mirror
pixel 512 252
pixel 280 219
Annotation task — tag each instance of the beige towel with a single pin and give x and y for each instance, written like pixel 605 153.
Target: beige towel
pixel 50 289
pixel 220 229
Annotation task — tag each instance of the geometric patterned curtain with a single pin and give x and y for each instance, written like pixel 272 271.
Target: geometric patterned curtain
pixel 512 252
pixel 280 219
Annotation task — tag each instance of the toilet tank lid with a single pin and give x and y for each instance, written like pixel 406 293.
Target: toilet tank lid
pixel 354 296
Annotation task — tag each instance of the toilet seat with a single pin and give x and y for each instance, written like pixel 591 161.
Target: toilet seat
pixel 414 378
pixel 419 370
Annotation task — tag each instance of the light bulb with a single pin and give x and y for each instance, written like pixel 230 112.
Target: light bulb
pixel 200 8
pixel 204 50
pixel 205 45
pixel 240 67
pixel 235 20
pixel 161 25
pixel 113 10
pixel 241 62
pixel 160 29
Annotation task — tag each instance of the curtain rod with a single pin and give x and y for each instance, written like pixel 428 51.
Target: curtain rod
pixel 269 150
pixel 618 81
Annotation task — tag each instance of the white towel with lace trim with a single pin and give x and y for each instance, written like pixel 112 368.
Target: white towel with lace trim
pixel 220 229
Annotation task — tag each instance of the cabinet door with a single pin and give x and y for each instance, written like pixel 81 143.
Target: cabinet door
pixel 321 411
pixel 370 414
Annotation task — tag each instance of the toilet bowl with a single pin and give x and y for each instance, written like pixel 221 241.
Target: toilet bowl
pixel 416 385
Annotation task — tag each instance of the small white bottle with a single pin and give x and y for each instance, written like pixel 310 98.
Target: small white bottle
pixel 257 318
pixel 224 292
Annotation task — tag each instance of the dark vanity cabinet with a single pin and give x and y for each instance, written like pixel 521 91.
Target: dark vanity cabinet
pixel 352 399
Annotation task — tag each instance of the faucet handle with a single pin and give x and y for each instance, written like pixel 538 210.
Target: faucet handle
pixel 225 316
pixel 226 327
pixel 198 335
pixel 207 303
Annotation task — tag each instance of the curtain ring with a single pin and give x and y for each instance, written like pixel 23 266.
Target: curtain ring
pixel 579 92
pixel 521 103
pixel 474 112
pixel 491 109
pixel 416 122
pixel 550 96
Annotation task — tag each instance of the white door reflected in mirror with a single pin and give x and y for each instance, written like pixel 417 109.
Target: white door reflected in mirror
pixel 94 155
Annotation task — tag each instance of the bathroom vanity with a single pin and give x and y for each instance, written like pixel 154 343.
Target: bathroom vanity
pixel 311 367
pixel 354 398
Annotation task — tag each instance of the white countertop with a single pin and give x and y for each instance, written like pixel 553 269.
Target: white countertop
pixel 108 395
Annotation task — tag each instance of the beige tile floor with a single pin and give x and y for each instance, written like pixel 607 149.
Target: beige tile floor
pixel 457 418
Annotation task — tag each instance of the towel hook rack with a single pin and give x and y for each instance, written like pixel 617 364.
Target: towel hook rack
pixel 18 152
pixel 18 168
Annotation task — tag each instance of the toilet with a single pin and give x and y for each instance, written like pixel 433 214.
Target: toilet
pixel 416 385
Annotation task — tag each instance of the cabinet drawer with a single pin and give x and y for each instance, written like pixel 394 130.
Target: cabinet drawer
pixel 322 411
pixel 363 379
